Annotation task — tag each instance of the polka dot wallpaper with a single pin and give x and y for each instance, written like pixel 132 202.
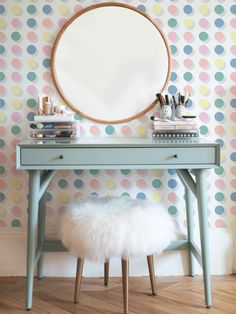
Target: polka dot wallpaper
pixel 202 38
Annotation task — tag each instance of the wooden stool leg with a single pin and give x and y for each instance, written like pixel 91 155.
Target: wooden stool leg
pixel 125 281
pixel 151 269
pixel 106 272
pixel 79 270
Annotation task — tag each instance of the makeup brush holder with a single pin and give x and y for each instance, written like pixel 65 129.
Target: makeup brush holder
pixel 180 111
pixel 166 112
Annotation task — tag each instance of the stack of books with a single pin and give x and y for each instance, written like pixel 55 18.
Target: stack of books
pixel 183 128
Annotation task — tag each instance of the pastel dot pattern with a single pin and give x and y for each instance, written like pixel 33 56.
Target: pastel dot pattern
pixel 202 37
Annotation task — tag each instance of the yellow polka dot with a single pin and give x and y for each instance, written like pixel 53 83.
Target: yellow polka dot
pixel 233 223
pixel 49 225
pixel 222 157
pixel 158 172
pixel 63 198
pixel 141 130
pixel 32 64
pixel 233 36
pixel 219 63
pixel 2 117
pixel 188 23
pixel 16 197
pixel 16 10
pixel 63 10
pixel 156 197
pixel 203 103
pixel 16 184
pixel 47 36
pixel 16 104
pixel 64 173
pixel 203 90
pixel 3 24
pixel 16 90
pixel 110 184
pixel 233 130
pixel 3 211
pixel 156 9
pixel 203 9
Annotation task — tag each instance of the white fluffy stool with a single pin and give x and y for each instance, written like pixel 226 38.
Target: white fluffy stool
pixel 100 228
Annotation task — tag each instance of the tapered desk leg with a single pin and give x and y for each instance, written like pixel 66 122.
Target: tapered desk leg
pixel 34 185
pixel 203 226
pixel 190 226
pixel 41 233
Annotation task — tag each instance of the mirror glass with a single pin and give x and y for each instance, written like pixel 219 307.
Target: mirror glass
pixel 109 61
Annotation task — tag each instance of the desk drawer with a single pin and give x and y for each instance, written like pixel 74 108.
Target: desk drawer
pixel 116 156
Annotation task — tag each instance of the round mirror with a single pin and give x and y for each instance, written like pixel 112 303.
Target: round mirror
pixel 109 61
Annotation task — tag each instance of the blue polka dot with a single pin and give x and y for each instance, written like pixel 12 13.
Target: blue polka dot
pixel 219 49
pixel 2 197
pixel 142 8
pixel 94 172
pixel 233 9
pixel 172 183
pixel 48 197
pixel 47 9
pixel 221 142
pixel 173 76
pixel 46 63
pixel 233 103
pixel 233 197
pixel 79 172
pixel 219 22
pixel 94 194
pixel 188 49
pixel 233 63
pixel 189 104
pixel 2 143
pixel 188 9
pixel 219 210
pixel 30 116
pixel 78 183
pixel 31 49
pixel 219 116
pixel 172 89
pixel 233 157
pixel 31 22
pixel 2 103
pixel 2 49
pixel 2 9
pixel 141 196
pixel 172 171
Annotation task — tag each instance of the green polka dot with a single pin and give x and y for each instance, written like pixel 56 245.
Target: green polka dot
pixel 219 9
pixel 15 129
pixel 203 129
pixel 219 103
pixel 172 22
pixel 78 117
pixel 94 172
pixel 156 183
pixel 219 171
pixel 172 210
pixel 125 171
pixel 219 76
pixel 2 170
pixel 15 223
pixel 109 130
pixel 2 76
pixel 173 49
pixel 188 76
pixel 15 36
pixel 31 103
pixel 203 36
pixel 125 194
pixel 62 183
pixel 31 76
pixel 219 196
pixel 31 9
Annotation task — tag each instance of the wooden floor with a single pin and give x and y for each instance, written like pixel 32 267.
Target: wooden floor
pixel 176 295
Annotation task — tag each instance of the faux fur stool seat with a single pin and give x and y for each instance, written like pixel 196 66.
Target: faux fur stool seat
pixel 100 228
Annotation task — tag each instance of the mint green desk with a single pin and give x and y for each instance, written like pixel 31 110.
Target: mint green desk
pixel 42 159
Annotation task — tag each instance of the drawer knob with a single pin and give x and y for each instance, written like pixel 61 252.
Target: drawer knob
pixel 61 157
pixel 175 156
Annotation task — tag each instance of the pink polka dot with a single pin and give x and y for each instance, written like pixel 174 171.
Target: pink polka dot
pixel 219 130
pixel 82 131
pixel 233 90
pixel 2 64
pixel 143 118
pixel 16 117
pixel 204 50
pixel 47 50
pixel 219 89
pixel 204 23
pixel 204 117
pixel 233 22
pixel 188 37
pixel 2 131
pixel 16 76
pixel 233 184
pixel 233 116
pixel 220 184
pixel 233 170
pixel 233 49
pixel 188 63
pixel 220 37
pixel 16 63
pixel 158 22
pixel 32 90
pixel 204 76
pixel 47 23
pixel 16 50
pixel 2 185
pixel 62 210
pixel 188 89
pixel 172 197
pixel 94 130
pixel 62 22
pixel 48 90
pixel 15 172
pixel 233 76
pixel 173 36
pixel 233 143
pixel 126 184
pixel 173 9
pixel 78 8
pixel 49 211
pixel 32 37
pixel 94 184
pixel 47 76
pixel 16 211
pixel 142 184
pixel 2 158
pixel 3 90
pixel 233 210
pixel 175 64
pixel 13 157
pixel 15 142
pixel 219 223
pixel 142 172
pixel 204 63
pixel 111 172
pixel 2 223
pixel 2 37
pixel 16 23
pixel 126 130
